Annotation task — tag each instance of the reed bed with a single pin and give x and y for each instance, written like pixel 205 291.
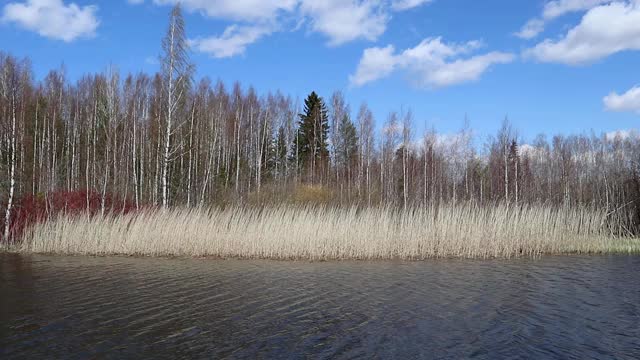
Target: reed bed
pixel 322 233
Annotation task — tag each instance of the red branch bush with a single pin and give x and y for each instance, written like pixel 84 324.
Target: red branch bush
pixel 29 210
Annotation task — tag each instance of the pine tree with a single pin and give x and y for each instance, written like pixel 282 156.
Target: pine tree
pixel 311 143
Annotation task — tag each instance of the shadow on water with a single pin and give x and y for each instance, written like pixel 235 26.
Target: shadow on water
pixel 554 307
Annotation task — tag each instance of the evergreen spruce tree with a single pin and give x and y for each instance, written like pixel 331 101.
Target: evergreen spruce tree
pixel 311 142
pixel 347 147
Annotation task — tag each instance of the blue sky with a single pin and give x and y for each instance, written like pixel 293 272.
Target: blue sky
pixel 551 66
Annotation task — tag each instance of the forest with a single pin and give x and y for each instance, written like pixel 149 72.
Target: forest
pixel 168 140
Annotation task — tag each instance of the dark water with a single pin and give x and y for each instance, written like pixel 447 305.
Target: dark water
pixel 551 308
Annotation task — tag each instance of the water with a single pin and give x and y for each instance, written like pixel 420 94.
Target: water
pixel 551 308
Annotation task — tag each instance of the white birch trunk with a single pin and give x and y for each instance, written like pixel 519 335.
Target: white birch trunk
pixel 12 171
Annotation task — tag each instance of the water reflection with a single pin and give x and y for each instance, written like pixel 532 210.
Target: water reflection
pixel 556 307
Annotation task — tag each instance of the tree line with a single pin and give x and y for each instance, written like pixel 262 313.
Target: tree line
pixel 167 140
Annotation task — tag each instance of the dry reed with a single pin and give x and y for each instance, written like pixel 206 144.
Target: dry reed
pixel 321 233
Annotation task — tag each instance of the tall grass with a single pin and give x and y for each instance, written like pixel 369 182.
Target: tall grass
pixel 318 233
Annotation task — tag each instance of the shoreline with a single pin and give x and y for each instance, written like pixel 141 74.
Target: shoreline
pixel 214 258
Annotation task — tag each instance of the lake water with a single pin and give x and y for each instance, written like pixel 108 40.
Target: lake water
pixel 548 308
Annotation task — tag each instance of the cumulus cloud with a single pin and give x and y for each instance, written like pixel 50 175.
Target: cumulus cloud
pixel 346 20
pixel 621 134
pixel 531 29
pixel 343 21
pixel 376 63
pixel 238 10
pixel 557 8
pixel 340 21
pixel 53 19
pixel 402 5
pixel 233 41
pixel 432 63
pixel 529 150
pixel 554 9
pixel 629 101
pixel 604 30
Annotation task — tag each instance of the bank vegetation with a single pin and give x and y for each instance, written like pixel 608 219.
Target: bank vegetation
pixel 330 233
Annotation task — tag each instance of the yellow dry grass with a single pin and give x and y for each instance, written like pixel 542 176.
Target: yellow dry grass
pixel 322 233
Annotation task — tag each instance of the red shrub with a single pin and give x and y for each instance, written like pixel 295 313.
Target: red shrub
pixel 31 209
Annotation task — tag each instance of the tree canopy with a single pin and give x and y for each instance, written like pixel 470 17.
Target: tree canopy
pixel 311 148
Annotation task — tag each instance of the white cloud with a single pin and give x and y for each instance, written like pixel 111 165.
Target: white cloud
pixel 464 70
pixel 341 21
pixel 557 8
pixel 53 19
pixel 432 63
pixel 233 41
pixel 401 5
pixel 531 29
pixel 603 31
pixel 621 134
pixel 529 150
pixel 346 20
pixel 258 18
pixel 629 101
pixel 243 10
pixel 552 10
pixel 375 64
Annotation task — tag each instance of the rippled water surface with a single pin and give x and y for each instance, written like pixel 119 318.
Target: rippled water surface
pixel 555 307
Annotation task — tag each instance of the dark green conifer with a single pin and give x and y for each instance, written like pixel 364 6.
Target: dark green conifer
pixel 347 147
pixel 311 146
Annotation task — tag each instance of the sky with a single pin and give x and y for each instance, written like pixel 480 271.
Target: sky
pixel 549 66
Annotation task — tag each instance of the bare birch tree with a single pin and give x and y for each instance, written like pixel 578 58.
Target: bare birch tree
pixel 176 77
